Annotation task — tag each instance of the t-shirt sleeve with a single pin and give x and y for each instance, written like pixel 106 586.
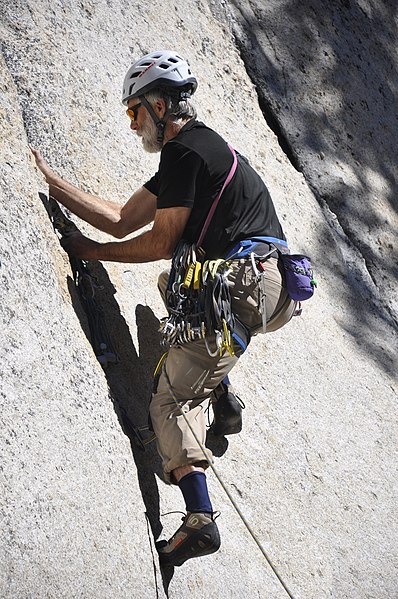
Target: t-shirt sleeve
pixel 153 184
pixel 180 172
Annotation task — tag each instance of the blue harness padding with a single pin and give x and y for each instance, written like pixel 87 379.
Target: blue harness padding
pixel 241 335
pixel 239 341
pixel 245 247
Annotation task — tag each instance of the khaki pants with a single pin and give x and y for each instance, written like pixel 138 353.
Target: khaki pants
pixel 193 374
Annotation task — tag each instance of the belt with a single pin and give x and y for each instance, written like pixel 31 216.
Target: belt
pixel 247 246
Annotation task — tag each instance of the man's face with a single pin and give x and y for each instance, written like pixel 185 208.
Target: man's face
pixel 145 128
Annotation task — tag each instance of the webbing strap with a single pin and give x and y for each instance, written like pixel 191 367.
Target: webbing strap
pixel 245 247
pixel 215 203
pixel 271 240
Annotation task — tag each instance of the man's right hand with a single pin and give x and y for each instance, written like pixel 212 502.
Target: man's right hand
pixel 106 216
pixel 42 165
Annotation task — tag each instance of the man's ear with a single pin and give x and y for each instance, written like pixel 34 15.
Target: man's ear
pixel 160 107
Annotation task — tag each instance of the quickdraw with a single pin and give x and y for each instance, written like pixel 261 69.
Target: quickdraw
pixel 198 300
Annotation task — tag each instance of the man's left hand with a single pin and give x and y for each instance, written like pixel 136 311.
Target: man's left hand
pixel 80 246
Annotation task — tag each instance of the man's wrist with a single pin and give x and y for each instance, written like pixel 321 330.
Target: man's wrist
pixel 54 180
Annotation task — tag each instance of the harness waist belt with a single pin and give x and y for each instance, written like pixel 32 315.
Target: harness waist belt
pixel 246 246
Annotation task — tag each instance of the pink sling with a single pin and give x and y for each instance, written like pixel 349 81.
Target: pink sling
pixel 215 203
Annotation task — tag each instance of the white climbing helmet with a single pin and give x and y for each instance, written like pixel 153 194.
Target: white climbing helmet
pixel 163 68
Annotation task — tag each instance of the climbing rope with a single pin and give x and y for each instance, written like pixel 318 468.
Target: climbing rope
pixel 218 476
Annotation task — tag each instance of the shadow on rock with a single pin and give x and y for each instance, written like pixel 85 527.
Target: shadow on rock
pixel 324 140
pixel 167 576
pixel 129 376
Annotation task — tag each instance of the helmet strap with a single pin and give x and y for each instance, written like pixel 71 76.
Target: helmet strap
pixel 160 123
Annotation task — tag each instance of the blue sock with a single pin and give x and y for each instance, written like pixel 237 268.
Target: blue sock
pixel 194 489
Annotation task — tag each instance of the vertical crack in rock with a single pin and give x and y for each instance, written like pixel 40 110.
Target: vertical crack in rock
pixel 271 119
pixel 248 46
pixel 251 25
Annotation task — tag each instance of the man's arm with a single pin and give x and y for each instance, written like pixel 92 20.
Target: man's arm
pixel 106 216
pixel 156 244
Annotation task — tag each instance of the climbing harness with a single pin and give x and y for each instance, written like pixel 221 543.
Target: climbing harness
pixel 298 273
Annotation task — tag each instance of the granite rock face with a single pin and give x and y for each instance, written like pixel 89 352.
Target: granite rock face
pixel 314 469
pixel 326 77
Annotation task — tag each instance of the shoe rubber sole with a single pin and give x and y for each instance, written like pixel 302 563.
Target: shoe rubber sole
pixel 227 416
pixel 198 544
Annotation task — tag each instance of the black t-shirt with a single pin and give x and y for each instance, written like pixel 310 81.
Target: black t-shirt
pixel 192 170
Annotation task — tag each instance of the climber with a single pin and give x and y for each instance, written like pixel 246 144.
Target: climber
pixel 196 168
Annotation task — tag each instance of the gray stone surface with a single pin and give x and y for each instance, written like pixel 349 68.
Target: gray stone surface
pixel 69 491
pixel 326 77
pixel 314 470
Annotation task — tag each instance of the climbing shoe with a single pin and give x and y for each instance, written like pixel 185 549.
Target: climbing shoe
pixel 197 536
pixel 227 409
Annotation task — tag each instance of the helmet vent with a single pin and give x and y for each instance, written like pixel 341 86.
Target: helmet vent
pixel 163 66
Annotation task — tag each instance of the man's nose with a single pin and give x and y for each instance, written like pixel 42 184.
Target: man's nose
pixel 133 125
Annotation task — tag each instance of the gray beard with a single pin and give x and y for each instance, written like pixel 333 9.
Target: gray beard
pixel 149 137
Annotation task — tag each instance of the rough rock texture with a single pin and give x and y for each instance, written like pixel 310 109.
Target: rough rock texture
pixel 326 77
pixel 314 470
